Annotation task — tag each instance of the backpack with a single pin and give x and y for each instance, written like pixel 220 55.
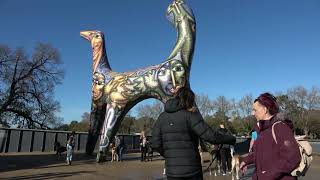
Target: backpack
pixel 305 153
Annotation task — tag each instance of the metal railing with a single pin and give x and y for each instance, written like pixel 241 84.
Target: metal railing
pixel 35 140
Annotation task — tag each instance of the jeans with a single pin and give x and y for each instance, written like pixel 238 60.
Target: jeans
pixel 143 153
pixel 120 153
pixel 69 152
pixel 225 159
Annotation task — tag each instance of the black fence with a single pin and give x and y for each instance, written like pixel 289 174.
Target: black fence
pixel 34 140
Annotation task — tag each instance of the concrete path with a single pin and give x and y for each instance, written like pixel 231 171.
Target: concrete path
pixel 49 166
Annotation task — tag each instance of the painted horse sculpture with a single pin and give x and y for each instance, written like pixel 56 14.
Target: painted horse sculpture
pixel 114 93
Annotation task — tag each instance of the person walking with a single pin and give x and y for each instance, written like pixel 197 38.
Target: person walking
pixel 225 152
pixel 70 146
pixel 117 143
pixel 121 150
pixel 273 160
pixel 143 146
pixel 176 136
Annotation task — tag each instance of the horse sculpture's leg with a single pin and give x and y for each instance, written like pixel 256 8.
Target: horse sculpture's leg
pixel 108 123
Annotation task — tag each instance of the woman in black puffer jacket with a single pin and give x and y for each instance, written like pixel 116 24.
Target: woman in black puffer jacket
pixel 176 136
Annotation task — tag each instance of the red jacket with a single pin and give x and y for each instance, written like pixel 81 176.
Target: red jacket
pixel 274 161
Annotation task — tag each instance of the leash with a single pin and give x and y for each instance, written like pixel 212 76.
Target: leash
pixel 214 158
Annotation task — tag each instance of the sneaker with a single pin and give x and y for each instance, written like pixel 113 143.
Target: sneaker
pixel 223 174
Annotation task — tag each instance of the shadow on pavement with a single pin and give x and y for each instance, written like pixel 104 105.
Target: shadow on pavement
pixel 27 161
pixel 48 175
pixel 41 161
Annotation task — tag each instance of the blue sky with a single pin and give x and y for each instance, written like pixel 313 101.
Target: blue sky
pixel 242 46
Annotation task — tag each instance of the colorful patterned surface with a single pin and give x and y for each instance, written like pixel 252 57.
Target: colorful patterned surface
pixel 114 93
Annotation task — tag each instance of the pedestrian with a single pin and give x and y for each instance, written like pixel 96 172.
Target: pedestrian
pixel 121 150
pixel 176 136
pixel 143 146
pixel 254 136
pixel 70 147
pixel 273 160
pixel 225 153
pixel 149 150
pixel 117 143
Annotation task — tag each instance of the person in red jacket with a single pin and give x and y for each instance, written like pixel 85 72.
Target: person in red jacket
pixel 273 160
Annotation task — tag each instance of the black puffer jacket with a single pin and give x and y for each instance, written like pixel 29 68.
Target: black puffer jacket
pixel 176 136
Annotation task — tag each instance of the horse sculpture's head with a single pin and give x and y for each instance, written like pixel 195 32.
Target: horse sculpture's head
pixel 178 10
pixel 95 37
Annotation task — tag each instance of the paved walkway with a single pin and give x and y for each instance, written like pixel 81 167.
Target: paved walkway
pixel 48 166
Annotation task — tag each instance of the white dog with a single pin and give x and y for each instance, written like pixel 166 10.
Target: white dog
pixel 235 164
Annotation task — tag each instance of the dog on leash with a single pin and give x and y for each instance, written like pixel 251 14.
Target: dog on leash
pixel 59 149
pixel 216 164
pixel 237 152
pixel 215 168
pixel 149 151
pixel 235 164
pixel 114 154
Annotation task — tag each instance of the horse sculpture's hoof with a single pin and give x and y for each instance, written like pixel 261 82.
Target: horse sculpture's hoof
pixel 100 157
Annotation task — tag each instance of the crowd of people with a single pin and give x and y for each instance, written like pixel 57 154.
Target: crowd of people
pixel 178 129
pixel 177 132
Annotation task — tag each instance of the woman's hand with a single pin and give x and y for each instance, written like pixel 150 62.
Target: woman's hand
pixel 243 167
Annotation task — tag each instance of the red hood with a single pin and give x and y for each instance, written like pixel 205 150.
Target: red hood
pixel 263 125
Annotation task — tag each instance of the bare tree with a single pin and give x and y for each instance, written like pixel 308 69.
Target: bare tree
pixel 128 125
pixel 288 105
pixel 27 85
pixel 222 107
pixel 222 104
pixel 85 118
pixel 234 109
pixel 299 94
pixel 204 105
pixel 245 105
pixel 313 99
pixel 150 110
pixel 147 115
pixel 307 101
